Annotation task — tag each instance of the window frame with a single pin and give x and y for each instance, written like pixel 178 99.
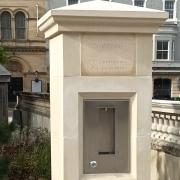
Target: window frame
pixel 171 16
pixel 67 2
pixel 171 52
pixel 13 28
pixel 164 87
pixel 10 28
pixel 25 26
pixel 174 10
pixel 162 50
pixel 143 1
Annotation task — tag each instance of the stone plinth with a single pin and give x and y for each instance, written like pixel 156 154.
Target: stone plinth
pixel 102 52
pixel 4 80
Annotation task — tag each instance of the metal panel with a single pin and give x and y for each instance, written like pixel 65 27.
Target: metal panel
pixel 106 136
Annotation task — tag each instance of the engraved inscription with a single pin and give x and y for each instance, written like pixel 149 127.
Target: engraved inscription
pixel 108 54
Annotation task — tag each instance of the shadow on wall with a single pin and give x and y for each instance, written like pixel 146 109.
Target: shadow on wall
pixel 164 166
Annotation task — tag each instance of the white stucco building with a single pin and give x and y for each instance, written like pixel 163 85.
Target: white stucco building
pixel 166 54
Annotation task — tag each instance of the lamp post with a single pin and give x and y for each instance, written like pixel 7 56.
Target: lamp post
pixel 36 76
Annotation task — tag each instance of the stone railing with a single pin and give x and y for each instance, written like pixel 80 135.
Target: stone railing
pixel 166 126
pixel 35 109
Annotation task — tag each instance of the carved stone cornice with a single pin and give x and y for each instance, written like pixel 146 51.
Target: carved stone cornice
pixel 166 147
pixel 26 49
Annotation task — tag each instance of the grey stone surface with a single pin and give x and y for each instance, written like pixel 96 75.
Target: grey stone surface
pixel 123 1
pixel 51 4
pixel 4 71
pixel 155 4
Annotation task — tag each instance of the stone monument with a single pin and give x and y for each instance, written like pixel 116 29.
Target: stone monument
pixel 100 76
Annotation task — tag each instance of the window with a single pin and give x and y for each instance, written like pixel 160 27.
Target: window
pixel 139 3
pixel 169 7
pixel 162 50
pixel 20 26
pixel 70 2
pixel 6 31
pixel 162 89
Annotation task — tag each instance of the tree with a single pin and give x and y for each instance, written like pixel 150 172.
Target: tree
pixel 3 56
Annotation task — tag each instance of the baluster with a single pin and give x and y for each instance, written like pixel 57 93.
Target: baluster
pixel 159 126
pixel 168 117
pixel 165 127
pixel 171 129
pixel 177 124
pixel 154 125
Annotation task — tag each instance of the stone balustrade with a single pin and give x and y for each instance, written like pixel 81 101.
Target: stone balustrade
pixel 166 126
pixel 35 109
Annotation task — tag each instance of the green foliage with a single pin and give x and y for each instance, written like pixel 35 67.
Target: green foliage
pixel 24 153
pixel 3 56
pixel 4 163
pixel 176 98
pixel 20 166
pixel 32 159
pixel 5 135
pixel 5 131
pixel 41 161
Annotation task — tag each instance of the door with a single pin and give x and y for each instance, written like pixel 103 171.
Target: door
pixel 106 136
pixel 15 86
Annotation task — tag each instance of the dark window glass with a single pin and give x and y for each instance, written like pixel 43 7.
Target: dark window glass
pixel 165 55
pixel 159 45
pixel 165 45
pixel 6 31
pixel 20 25
pixel 169 7
pixel 139 3
pixel 70 2
pixel 162 89
pixel 159 55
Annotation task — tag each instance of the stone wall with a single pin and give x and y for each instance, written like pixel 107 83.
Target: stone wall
pixel 164 166
pixel 35 109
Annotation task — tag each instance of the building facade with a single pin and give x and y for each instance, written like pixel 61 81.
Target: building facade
pixel 27 52
pixel 166 51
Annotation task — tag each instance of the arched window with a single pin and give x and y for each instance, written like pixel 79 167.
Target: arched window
pixel 6 31
pixel 20 25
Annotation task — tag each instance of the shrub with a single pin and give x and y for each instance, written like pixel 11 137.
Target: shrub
pixel 5 135
pixel 24 153
pixel 32 159
pixel 3 56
